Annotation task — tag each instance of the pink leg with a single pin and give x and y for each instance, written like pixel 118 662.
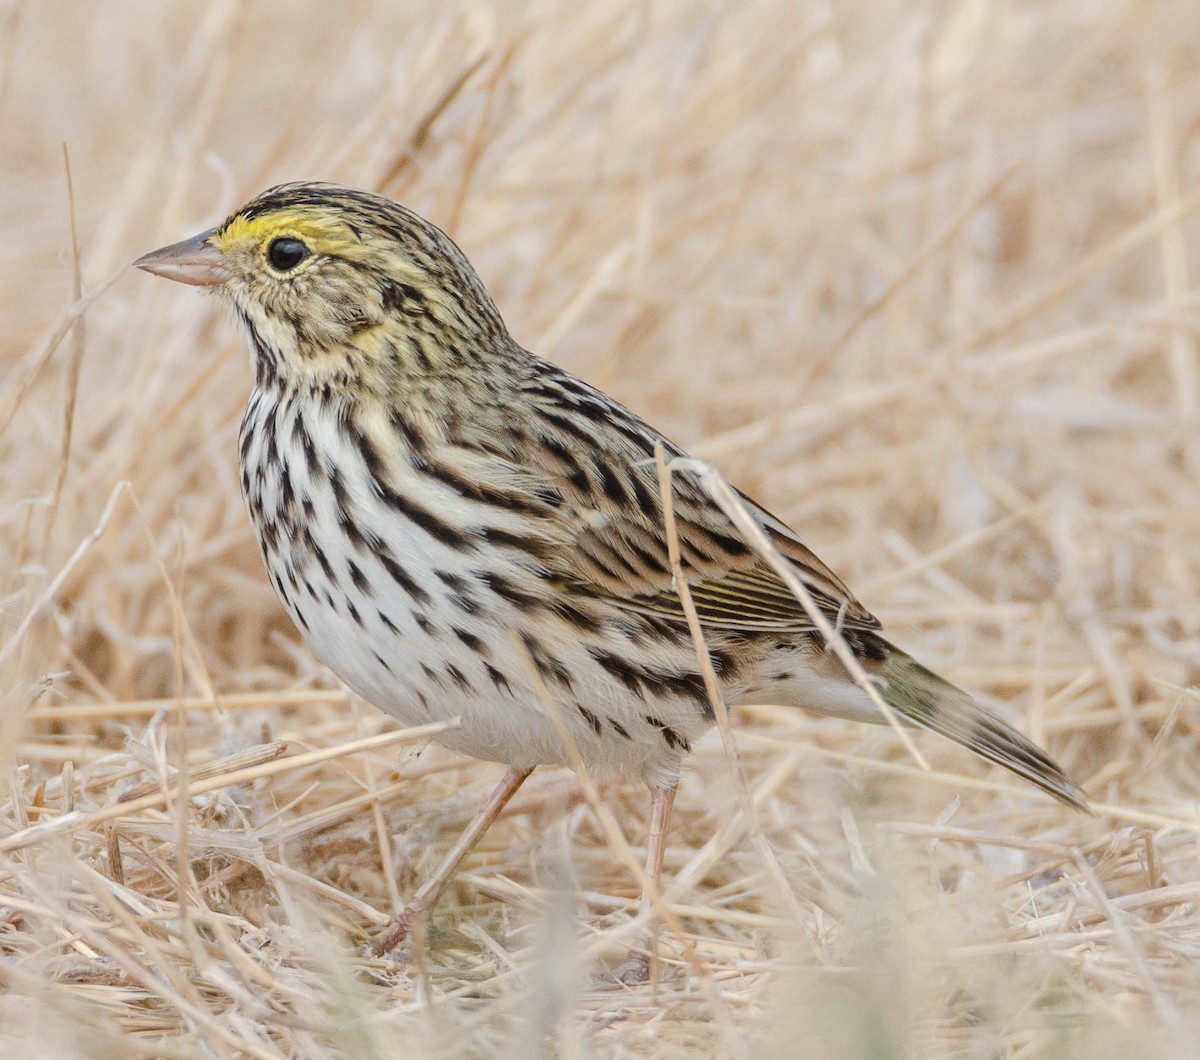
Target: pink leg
pixel 636 969
pixel 661 801
pixel 425 899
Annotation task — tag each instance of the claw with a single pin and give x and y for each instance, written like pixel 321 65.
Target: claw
pixel 394 934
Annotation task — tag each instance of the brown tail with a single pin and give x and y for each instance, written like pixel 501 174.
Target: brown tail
pixel 922 698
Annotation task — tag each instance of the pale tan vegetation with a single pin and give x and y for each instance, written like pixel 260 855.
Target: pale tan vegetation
pixel 916 275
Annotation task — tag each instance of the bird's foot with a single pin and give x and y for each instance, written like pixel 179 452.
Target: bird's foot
pixel 397 932
pixel 633 971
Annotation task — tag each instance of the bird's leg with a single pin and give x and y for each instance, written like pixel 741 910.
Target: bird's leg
pixel 661 801
pixel 425 898
pixel 637 968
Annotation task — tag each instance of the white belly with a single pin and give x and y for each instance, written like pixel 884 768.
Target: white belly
pixel 409 619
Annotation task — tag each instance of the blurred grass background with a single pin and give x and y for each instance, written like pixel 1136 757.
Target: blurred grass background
pixel 916 275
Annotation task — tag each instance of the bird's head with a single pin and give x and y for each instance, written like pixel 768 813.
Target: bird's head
pixel 328 280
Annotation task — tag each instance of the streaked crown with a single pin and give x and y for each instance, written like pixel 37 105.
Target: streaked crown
pixel 334 283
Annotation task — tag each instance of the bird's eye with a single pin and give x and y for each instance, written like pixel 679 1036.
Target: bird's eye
pixel 285 253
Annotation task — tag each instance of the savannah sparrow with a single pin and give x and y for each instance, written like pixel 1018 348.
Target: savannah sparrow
pixel 443 514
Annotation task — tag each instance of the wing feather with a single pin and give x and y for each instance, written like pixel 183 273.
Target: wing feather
pixel 608 528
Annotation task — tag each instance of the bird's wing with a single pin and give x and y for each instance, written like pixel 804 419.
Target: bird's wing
pixel 613 537
pixel 625 557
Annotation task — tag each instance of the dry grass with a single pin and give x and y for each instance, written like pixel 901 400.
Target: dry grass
pixel 917 275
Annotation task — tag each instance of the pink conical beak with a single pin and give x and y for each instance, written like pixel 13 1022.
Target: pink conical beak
pixel 195 261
